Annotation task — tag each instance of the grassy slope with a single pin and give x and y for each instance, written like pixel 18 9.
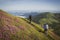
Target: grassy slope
pixel 51 35
pixel 14 28
pixel 40 30
pixel 55 26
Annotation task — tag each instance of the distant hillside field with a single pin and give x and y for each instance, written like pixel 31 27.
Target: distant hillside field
pixel 16 28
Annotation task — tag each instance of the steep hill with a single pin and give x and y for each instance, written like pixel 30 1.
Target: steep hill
pixel 15 28
pixel 51 35
pixel 54 25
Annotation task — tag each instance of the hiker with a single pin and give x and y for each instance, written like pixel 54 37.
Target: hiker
pixel 30 18
pixel 45 28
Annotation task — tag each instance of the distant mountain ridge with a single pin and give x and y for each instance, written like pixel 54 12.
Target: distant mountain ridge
pixel 26 14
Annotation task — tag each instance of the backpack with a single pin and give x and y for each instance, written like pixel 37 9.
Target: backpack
pixel 45 26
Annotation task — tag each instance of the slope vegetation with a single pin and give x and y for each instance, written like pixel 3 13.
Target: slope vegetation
pixel 15 28
pixel 55 25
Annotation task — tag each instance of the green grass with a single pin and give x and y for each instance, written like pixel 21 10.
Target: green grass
pixel 39 29
pixel 16 28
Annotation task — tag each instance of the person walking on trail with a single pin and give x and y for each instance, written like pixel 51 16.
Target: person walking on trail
pixel 45 28
pixel 30 18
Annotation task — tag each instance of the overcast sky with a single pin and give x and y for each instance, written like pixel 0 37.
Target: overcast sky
pixel 32 5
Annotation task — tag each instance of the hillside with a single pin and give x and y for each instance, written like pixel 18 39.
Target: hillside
pixel 15 28
pixel 40 16
pixel 51 35
pixel 55 25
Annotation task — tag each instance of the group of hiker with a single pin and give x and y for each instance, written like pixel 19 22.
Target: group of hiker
pixel 45 26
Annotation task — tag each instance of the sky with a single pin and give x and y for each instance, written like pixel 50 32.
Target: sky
pixel 31 5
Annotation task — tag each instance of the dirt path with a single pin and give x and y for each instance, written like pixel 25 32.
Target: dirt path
pixel 54 36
